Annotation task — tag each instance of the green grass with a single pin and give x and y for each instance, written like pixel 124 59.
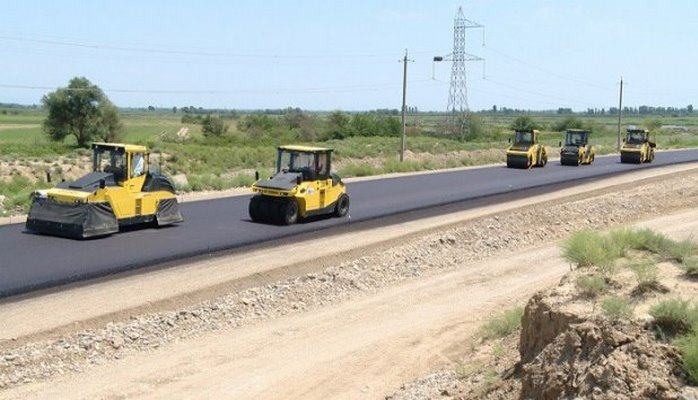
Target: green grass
pixel 503 324
pixel 359 169
pixel 616 308
pixel 690 267
pixel 674 317
pixel 591 285
pixel 688 346
pixel 587 249
pixel 17 191
pixel 646 273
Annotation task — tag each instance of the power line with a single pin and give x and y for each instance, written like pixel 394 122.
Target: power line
pixel 538 93
pixel 155 50
pixel 547 71
pixel 307 90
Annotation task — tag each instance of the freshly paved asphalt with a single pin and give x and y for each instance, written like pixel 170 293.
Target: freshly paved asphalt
pixel 29 261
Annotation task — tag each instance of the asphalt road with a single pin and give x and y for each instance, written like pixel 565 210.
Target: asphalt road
pixel 29 261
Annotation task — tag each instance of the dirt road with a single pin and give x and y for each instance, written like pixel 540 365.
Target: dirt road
pixel 359 349
pixel 379 333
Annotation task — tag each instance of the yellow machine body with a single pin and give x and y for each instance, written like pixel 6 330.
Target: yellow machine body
pixel 303 186
pixel 526 150
pixel 577 149
pixel 119 191
pixel 637 147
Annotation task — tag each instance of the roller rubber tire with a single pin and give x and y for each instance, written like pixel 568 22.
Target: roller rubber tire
pixel 342 207
pixel 288 213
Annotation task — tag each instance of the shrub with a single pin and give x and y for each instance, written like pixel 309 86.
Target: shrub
pixel 680 251
pixel 524 122
pixel 688 346
pixel 674 316
pixel 653 242
pixel 567 123
pixel 586 249
pixel 591 285
pixel 502 325
pixel 213 126
pixel 615 308
pixel 625 239
pixel 646 273
pixel 690 267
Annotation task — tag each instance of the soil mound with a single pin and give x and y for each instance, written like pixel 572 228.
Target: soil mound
pixel 600 360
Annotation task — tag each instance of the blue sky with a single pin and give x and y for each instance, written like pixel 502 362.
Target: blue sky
pixel 327 55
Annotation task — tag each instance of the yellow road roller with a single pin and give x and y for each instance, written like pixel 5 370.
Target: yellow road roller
pixel 637 147
pixel 577 150
pixel 120 191
pixel 303 186
pixel 526 151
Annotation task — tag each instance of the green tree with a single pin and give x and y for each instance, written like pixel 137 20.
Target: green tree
pixel 109 126
pixel 81 110
pixel 524 122
pixel 338 125
pixel 213 126
pixel 568 123
pixel 652 124
pixel 474 127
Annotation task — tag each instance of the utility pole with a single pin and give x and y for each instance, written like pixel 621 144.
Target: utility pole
pixel 620 110
pixel 404 106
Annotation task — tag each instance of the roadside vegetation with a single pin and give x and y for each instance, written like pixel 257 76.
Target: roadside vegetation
pixel 503 324
pixel 675 320
pixel 221 149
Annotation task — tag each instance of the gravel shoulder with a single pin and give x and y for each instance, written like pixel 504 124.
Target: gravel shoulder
pixel 346 325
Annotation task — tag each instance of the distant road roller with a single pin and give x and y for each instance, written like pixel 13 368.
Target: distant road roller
pixel 637 147
pixel 120 191
pixel 303 186
pixel 526 151
pixel 577 150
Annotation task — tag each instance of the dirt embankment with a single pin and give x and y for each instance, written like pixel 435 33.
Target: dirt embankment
pixel 569 352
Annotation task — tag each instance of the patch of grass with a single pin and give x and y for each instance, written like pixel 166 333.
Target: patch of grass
pixel 393 165
pixel 665 247
pixel 625 239
pixel 690 267
pixel 587 249
pixel 358 169
pixel 490 382
pixel 17 191
pixel 616 308
pixel 502 325
pixel 646 274
pixel 591 285
pixel 653 242
pixel 674 317
pixel 680 251
pixel 498 351
pixel 688 346
pixel 42 150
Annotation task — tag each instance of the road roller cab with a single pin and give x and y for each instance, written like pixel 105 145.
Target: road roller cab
pixel 119 191
pixel 637 147
pixel 526 151
pixel 302 186
pixel 577 149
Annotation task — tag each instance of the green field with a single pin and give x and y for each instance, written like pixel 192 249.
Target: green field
pixel 230 160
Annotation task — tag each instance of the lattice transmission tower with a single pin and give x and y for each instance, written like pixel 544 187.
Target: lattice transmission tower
pixel 458 91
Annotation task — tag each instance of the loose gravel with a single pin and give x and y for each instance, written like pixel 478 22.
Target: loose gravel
pixel 428 255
